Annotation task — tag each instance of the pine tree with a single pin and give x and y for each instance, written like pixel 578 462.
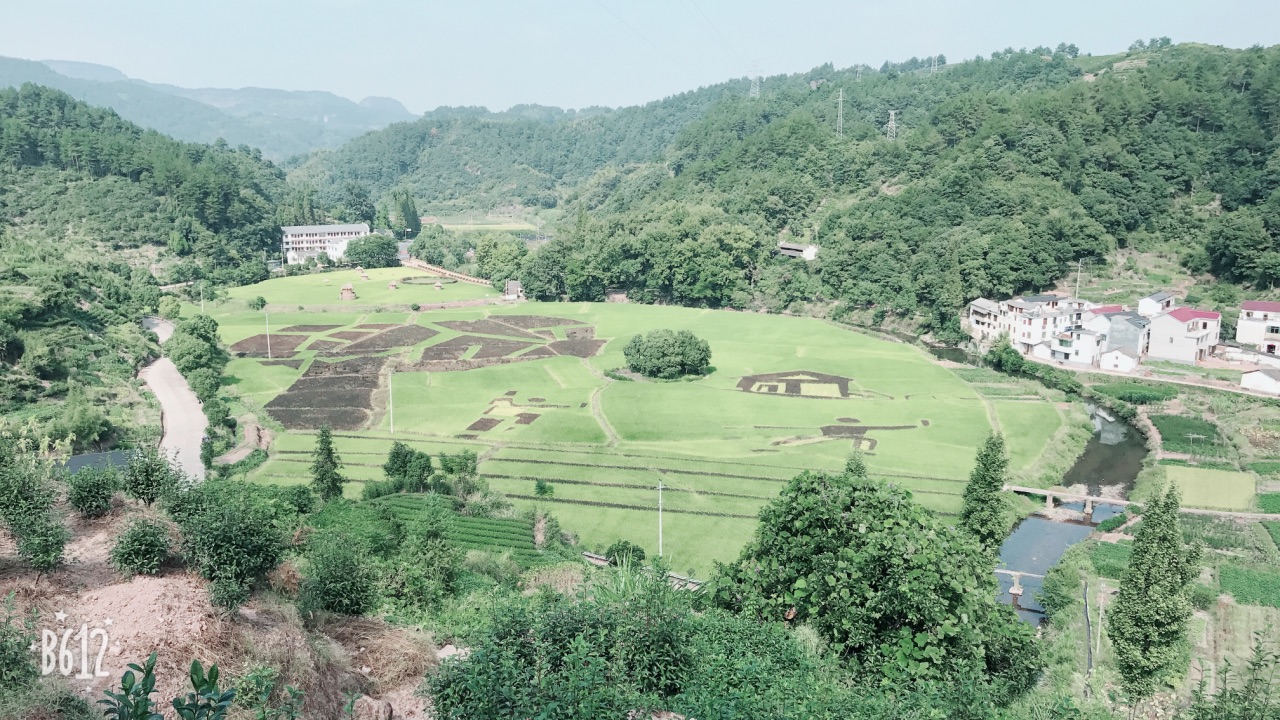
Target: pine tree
pixel 854 466
pixel 1149 617
pixel 984 515
pixel 325 464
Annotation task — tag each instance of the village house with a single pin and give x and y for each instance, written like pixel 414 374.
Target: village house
pixel 1153 305
pixel 1184 335
pixel 301 242
pixel 796 250
pixel 1265 380
pixel 1037 325
pixel 1259 325
pixel 1122 359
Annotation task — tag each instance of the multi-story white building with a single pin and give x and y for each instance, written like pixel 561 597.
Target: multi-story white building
pixel 307 241
pixel 1184 335
pixel 1035 324
pixel 1259 325
pixel 1157 303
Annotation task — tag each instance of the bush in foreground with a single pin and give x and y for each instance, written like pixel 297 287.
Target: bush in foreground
pixel 141 549
pixel 89 491
pixel 667 355
pixel 339 578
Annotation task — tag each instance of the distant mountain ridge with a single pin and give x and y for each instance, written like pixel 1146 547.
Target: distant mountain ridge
pixel 280 123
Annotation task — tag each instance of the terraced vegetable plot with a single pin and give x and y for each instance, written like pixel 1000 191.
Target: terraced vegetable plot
pixel 506 535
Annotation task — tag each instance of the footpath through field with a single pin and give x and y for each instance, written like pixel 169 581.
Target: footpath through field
pixel 180 412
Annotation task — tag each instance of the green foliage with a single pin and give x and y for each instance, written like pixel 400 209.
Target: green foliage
pixel 256 689
pixel 667 354
pixel 542 488
pixel 1112 523
pixel 985 514
pixel 257 303
pixel 426 570
pixel 170 307
pixel 249 462
pixel 1149 618
pixel 1273 529
pixel 90 490
pixel 1248 696
pixel 879 578
pixel 206 702
pixel 17 633
pixel 132 701
pixel 325 465
pixel 150 476
pixel 1269 502
pixel 339 578
pixel 1136 393
pixel 373 251
pixel 141 548
pixel 27 498
pixel 232 534
pixel 1110 560
pixel 1203 597
pixel 1250 586
pixel 1061 589
pixel 624 552
pixel 1175 429
pixel 1265 467
pixel 461 464
pixel 499 256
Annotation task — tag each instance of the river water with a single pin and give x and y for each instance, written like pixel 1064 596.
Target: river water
pixel 1107 468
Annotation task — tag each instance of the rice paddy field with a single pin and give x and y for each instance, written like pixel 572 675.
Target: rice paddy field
pixel 529 388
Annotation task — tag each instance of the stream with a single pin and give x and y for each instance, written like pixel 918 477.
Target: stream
pixel 1107 468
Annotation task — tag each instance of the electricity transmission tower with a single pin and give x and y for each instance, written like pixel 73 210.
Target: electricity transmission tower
pixel 933 68
pixel 891 130
pixel 840 116
pixel 755 86
pixel 858 76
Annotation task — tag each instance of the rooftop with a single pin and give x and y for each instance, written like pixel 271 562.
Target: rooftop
pixel 984 304
pixel 299 229
pixel 1186 314
pixel 1159 297
pixel 1107 310
pixel 1263 305
pixel 1269 372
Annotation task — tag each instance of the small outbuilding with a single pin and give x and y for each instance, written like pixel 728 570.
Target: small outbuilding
pixel 1121 359
pixel 348 292
pixel 513 290
pixel 1265 380
pixel 391 285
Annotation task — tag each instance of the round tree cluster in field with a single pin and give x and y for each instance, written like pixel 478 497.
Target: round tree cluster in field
pixel 668 354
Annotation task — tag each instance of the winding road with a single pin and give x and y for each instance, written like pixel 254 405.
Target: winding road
pixel 182 417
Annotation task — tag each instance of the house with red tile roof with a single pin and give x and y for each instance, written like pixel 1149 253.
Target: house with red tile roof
pixel 1184 335
pixel 1259 325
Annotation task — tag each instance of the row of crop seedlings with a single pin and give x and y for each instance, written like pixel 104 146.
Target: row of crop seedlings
pixel 512 535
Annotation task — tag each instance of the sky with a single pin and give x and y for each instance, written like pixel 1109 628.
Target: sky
pixel 576 53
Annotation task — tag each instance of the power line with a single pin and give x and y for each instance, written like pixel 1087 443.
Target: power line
pixel 647 40
pixel 724 43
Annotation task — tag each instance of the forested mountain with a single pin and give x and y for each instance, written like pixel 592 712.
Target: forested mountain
pixel 458 158
pixel 1004 172
pixel 280 123
pixel 87 201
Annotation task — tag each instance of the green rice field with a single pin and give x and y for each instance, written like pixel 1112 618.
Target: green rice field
pixel 786 395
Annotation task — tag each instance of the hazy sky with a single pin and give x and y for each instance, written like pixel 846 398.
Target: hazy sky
pixel 574 53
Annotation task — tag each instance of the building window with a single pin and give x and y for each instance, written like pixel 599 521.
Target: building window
pixel 1273 330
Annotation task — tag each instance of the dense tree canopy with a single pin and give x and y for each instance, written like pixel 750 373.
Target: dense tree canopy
pixel 667 354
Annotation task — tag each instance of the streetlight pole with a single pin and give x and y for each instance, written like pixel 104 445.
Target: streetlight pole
pixel 266 318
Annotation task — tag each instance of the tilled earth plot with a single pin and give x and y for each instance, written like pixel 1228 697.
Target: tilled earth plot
pixel 339 394
pixel 281 345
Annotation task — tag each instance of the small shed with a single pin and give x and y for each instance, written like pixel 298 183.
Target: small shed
pixel 1121 359
pixel 391 285
pixel 348 292
pixel 513 290
pixel 1265 380
pixel 439 285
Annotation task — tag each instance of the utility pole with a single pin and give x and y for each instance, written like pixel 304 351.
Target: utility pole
pixel 840 116
pixel 266 318
pixel 391 402
pixel 202 296
pixel 1079 270
pixel 891 130
pixel 659 517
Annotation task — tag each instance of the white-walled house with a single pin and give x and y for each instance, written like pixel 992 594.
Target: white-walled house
pixel 1265 380
pixel 1259 325
pixel 1155 304
pixel 300 242
pixel 1033 323
pixel 1122 359
pixel 1184 335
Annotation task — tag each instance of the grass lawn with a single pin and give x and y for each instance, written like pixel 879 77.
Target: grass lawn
pixel 1219 489
pixel 323 289
pixel 604 445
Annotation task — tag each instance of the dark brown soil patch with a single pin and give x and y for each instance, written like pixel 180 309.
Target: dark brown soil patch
pixel 857 431
pixel 793 383
pixel 397 337
pixel 529 322
pixel 322 397
pixel 510 393
pixel 499 348
pixel 311 418
pixel 585 332
pixel 487 327
pixel 331 383
pixel 526 418
pixel 368 366
pixel 351 334
pixel 282 344
pixel 577 348
pixel 582 405
pixel 376 326
pixel 325 345
pixel 485 424
pixel 537 399
pixel 539 352
pixel 924 423
pixel 295 364
pixel 309 328
pixel 451 349
pixel 847 419
pixel 468 437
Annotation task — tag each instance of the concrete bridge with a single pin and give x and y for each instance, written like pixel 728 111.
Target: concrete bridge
pixel 437 270
pixel 1015 592
pixel 1091 500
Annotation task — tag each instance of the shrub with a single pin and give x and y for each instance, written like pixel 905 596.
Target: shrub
pixel 415 307
pixel 1203 597
pixel 667 355
pixel 229 538
pixel 339 578
pixel 301 498
pixel 1112 523
pixel 257 303
pixel 89 491
pixel 141 549
pixel 542 488
pixel 1136 393
pixel 1269 502
pixel 624 551
pixel 17 662
pixel 150 476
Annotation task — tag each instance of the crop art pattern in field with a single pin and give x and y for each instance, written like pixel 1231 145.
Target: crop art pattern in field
pixel 805 384
pixel 339 394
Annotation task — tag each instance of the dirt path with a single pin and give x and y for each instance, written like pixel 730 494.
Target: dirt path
pixel 596 411
pixel 182 417
pixel 256 437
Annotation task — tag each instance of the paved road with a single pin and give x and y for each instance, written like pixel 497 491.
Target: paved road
pixel 183 418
